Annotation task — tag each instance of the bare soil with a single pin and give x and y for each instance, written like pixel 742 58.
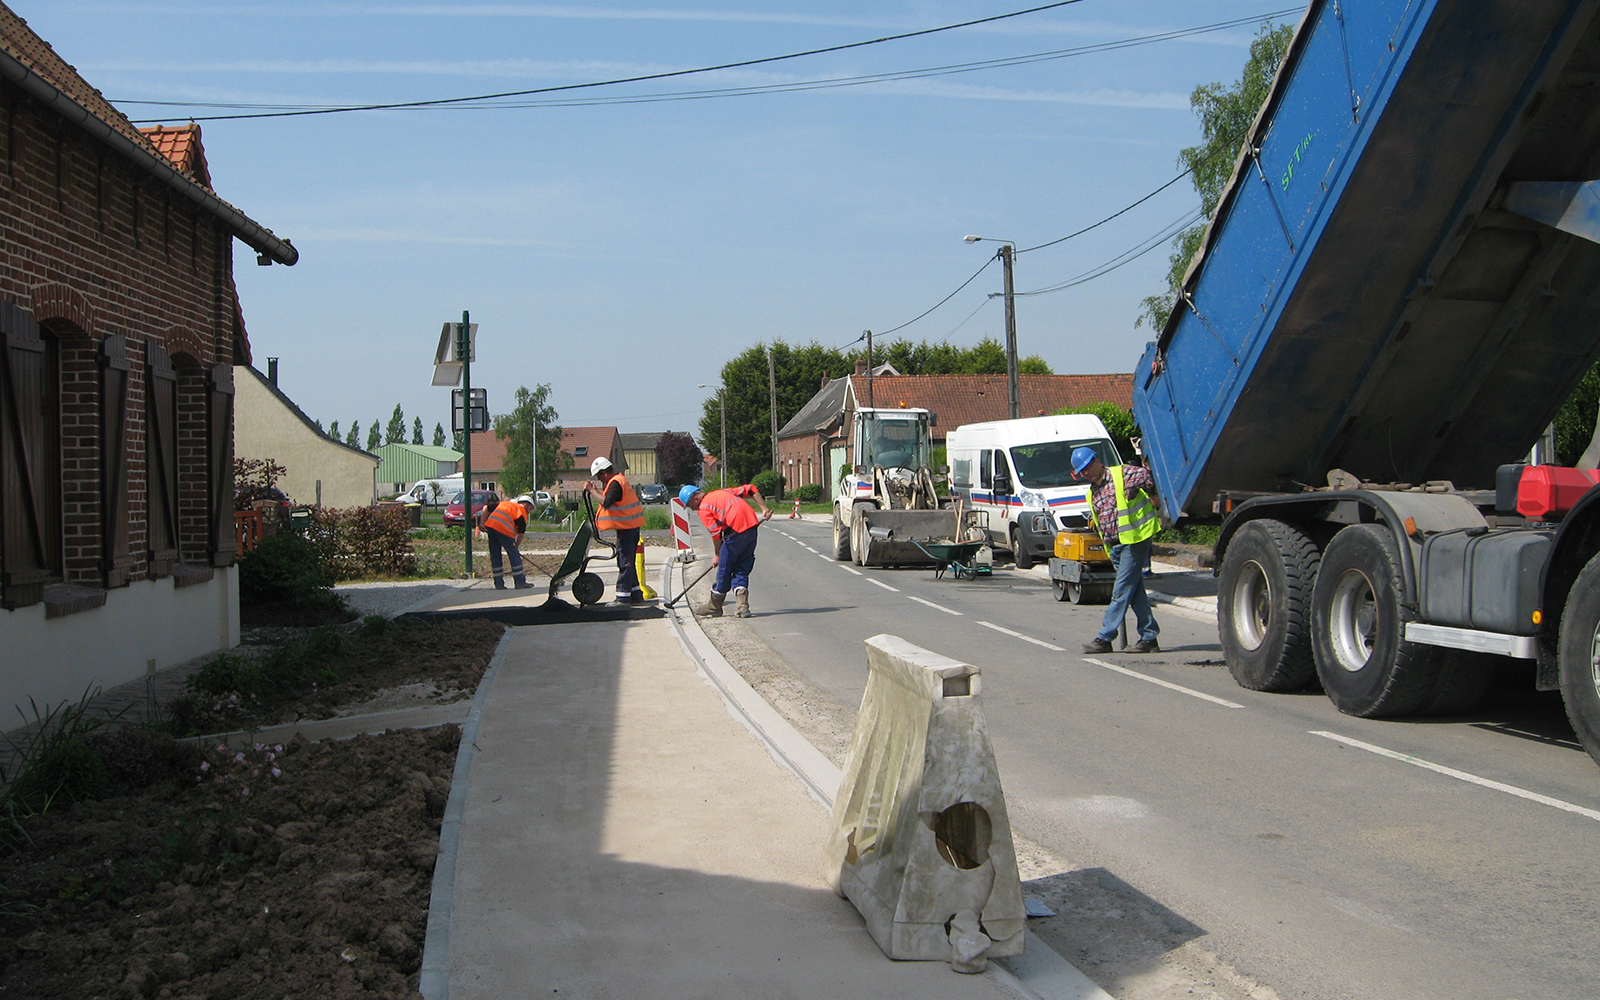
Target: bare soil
pixel 213 873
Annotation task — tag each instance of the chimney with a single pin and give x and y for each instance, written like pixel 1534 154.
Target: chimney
pixel 861 364
pixel 272 372
pixel 825 380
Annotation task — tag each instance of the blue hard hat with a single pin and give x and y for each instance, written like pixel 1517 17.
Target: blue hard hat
pixel 1082 456
pixel 687 492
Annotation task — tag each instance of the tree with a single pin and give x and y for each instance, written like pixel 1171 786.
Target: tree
pixel 516 428
pixel 319 428
pixel 987 357
pixel 395 433
pixel 679 460
pixel 438 435
pixel 1226 112
pixel 374 437
pixel 1575 422
pixel 416 431
pixel 1119 424
pixel 353 439
pixel 333 431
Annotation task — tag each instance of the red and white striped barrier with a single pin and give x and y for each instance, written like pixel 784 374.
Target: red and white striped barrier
pixel 680 531
pixel 796 512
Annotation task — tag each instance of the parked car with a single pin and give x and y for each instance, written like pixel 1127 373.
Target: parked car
pixel 652 493
pixel 454 510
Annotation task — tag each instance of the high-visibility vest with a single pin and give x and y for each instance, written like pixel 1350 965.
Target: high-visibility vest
pixel 628 511
pixel 504 517
pixel 1136 516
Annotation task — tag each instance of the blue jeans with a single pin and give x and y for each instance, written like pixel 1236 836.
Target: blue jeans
pixel 735 560
pixel 497 542
pixel 1128 592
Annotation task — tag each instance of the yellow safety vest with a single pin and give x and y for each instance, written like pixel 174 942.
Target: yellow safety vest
pixel 628 512
pixel 1136 520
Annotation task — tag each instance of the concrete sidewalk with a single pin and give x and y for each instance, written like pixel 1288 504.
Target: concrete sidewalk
pixel 620 827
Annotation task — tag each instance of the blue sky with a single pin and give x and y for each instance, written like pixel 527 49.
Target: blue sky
pixel 622 252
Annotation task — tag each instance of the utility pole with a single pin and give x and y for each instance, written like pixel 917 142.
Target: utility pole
pixel 1011 335
pixel 772 395
pixel 869 368
pixel 464 352
pixel 533 457
pixel 722 462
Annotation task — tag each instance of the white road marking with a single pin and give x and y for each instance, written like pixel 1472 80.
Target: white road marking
pixel 849 569
pixel 823 556
pixel 1024 638
pixel 1166 684
pixel 885 586
pixel 936 607
pixel 1450 772
pixel 808 548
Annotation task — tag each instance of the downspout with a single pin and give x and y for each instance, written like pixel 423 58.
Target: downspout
pixel 253 234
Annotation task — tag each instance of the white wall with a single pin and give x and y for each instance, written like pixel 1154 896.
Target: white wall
pixel 142 628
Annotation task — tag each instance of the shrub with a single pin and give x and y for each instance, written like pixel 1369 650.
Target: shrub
pixel 768 484
pixel 364 541
pixel 285 569
pixel 809 493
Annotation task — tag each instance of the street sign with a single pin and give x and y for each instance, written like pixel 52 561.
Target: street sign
pixel 480 410
pixel 447 358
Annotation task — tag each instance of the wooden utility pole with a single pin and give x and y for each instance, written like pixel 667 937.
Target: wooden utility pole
pixel 869 368
pixel 1011 336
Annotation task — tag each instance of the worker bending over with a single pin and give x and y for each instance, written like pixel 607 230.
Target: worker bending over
pixel 733 538
pixel 505 525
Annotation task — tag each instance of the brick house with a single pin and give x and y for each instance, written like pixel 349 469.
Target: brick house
pixel 814 445
pixel 119 330
pixel 583 445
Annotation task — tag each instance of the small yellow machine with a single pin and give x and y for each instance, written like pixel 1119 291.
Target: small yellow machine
pixel 1080 570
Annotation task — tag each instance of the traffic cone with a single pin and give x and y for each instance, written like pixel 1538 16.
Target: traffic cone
pixel 638 562
pixel 796 512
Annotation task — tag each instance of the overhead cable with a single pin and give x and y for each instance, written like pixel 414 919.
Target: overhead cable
pixel 1126 257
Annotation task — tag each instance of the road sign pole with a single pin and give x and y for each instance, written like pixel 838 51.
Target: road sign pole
pixel 464 352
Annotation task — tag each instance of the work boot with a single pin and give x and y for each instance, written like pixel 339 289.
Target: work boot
pixel 1147 646
pixel 1099 645
pixel 713 607
pixel 499 583
pixel 741 597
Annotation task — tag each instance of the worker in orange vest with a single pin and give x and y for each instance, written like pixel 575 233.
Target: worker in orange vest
pixel 733 536
pixel 505 525
pixel 621 511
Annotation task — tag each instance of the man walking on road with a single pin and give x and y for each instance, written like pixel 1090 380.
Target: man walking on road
pixel 733 536
pixel 621 511
pixel 1123 512
pixel 505 526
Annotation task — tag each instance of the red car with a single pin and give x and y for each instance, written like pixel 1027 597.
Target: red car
pixel 480 500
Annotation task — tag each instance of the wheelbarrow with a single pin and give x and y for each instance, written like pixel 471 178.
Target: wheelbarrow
pixel 958 558
pixel 587 588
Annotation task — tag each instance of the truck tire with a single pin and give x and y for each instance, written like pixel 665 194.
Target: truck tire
pixel 1365 664
pixel 1264 606
pixel 841 536
pixel 1463 681
pixel 1579 657
pixel 1019 554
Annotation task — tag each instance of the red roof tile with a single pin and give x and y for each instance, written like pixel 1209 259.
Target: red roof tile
pixel 488 453
pixel 969 399
pixel 181 145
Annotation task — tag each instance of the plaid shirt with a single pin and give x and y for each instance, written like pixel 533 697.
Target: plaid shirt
pixel 1105 498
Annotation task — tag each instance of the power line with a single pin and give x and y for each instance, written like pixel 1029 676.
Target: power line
pixel 942 301
pixel 1126 257
pixel 1113 215
pixel 827 83
pixel 439 102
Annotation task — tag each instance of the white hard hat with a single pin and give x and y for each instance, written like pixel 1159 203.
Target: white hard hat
pixel 523 499
pixel 599 465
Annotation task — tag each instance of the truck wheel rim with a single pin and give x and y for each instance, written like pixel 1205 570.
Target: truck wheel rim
pixel 1252 605
pixel 1594 659
pixel 1353 620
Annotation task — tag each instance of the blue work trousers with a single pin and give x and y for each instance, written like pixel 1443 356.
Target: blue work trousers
pixel 498 542
pixel 627 564
pixel 735 560
pixel 1128 592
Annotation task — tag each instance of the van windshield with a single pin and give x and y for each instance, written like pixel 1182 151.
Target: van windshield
pixel 1049 463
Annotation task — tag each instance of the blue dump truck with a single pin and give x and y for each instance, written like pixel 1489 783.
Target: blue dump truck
pixel 1398 290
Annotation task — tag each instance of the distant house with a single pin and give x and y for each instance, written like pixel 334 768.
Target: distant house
pixel 320 470
pixel 639 457
pixel 488 460
pixel 405 465
pixel 583 445
pixel 120 328
pixel 814 445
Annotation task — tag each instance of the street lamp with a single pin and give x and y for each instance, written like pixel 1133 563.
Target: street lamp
pixel 1007 252
pixel 722 455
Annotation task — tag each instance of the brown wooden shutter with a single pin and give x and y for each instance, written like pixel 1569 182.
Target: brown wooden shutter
pixel 219 455
pixel 161 459
pixel 26 462
pixel 115 555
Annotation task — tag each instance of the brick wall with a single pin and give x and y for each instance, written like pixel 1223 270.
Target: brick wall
pixel 91 245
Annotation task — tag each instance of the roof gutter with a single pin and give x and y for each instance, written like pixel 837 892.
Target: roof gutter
pixel 253 234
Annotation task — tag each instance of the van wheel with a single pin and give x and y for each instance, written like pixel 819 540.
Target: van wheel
pixel 1365 664
pixel 1264 606
pixel 1580 657
pixel 841 536
pixel 1018 554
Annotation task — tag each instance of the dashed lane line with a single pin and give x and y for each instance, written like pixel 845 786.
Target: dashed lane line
pixel 1450 772
pixel 1024 638
pixel 1166 684
pixel 885 586
pixel 936 607
pixel 851 569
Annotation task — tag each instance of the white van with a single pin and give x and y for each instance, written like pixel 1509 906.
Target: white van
pixel 432 492
pixel 1020 471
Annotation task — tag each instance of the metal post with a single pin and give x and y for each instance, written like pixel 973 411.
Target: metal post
pixel 1011 335
pixel 464 351
pixel 722 462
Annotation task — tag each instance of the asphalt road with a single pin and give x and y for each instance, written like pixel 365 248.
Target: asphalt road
pixel 1313 851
